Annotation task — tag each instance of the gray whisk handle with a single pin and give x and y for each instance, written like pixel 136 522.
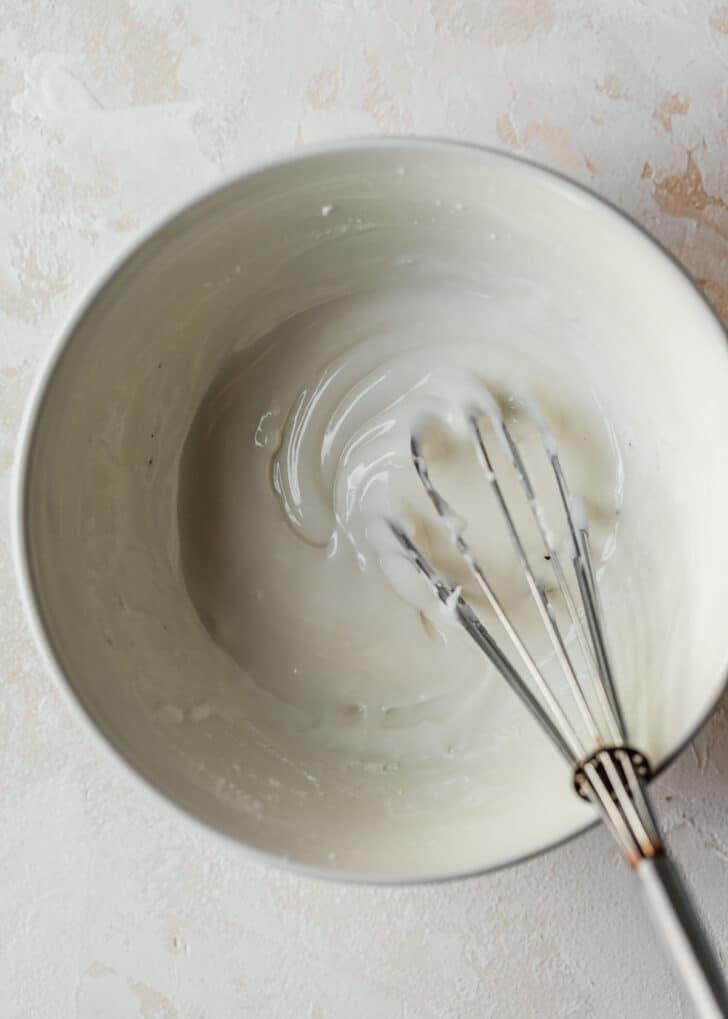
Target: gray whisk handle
pixel 676 921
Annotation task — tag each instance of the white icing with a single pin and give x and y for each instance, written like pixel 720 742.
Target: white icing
pixel 300 456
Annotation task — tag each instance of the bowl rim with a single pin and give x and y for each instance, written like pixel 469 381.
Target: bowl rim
pixel 43 380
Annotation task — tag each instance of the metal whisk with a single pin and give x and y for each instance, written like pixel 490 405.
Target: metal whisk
pixel 608 772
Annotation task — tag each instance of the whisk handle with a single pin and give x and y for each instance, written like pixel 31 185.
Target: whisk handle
pixel 677 922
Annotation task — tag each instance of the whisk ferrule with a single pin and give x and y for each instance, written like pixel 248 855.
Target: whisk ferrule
pixel 613 780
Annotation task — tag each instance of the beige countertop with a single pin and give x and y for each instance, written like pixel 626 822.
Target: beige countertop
pixel 110 114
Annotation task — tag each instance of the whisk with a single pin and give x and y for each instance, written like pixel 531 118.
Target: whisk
pixel 607 770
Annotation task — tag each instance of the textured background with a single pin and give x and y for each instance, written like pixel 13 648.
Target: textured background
pixel 113 111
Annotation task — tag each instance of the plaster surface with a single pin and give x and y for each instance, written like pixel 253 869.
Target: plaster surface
pixel 112 113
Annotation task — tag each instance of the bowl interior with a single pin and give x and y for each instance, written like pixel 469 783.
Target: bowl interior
pixel 593 298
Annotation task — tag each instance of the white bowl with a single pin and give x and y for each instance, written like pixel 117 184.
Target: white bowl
pixel 98 556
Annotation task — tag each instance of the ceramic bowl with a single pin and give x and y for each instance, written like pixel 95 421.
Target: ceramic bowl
pixel 96 508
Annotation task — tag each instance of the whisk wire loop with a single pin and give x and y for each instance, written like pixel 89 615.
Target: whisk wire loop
pixel 607 771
